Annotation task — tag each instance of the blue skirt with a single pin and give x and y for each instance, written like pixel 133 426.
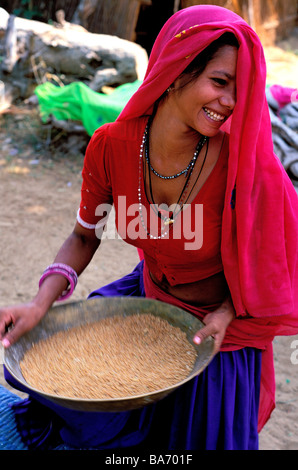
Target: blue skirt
pixel 218 410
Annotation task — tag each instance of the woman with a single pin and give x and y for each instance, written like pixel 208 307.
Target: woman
pixel 216 226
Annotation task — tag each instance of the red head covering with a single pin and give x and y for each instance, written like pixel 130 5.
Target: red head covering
pixel 259 227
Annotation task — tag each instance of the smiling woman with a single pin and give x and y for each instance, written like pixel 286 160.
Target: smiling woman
pixel 211 78
pixel 213 91
pixel 196 133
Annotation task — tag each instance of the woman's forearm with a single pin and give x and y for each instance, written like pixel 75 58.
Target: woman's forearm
pixel 77 252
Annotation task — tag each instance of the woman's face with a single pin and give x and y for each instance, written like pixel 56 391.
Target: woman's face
pixel 205 103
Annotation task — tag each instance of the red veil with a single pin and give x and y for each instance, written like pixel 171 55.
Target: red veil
pixel 259 229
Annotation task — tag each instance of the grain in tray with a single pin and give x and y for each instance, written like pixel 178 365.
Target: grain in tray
pixel 115 357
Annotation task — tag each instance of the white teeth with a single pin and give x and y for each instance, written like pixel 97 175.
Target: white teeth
pixel 213 115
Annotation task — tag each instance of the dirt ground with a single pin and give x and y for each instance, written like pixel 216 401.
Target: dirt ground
pixel 40 178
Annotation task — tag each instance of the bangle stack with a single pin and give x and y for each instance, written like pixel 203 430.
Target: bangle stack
pixel 64 270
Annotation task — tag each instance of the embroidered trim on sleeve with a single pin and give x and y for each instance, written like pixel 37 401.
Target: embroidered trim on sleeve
pixel 83 223
pixel 98 225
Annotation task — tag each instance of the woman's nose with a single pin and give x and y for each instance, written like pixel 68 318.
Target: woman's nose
pixel 228 98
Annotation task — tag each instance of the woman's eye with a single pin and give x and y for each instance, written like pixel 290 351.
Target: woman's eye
pixel 220 81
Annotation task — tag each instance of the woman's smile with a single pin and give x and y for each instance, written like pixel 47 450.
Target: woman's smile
pixel 214 116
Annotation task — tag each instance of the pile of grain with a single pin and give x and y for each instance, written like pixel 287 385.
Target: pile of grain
pixel 112 358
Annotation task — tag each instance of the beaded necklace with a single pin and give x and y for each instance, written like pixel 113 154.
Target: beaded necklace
pixel 168 221
pixel 182 172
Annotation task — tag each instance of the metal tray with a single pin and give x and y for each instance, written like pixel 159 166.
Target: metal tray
pixel 69 315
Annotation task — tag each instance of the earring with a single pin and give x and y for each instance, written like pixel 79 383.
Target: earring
pixel 170 89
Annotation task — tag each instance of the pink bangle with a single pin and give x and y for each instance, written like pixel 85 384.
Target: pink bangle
pixel 64 270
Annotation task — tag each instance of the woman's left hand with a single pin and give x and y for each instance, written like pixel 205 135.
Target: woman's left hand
pixel 216 324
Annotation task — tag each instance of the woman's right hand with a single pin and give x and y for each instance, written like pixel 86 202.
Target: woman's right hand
pixel 16 320
pixel 77 251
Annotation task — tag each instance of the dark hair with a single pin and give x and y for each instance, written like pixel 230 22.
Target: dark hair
pixel 199 63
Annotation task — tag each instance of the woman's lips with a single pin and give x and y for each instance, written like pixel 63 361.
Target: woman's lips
pixel 214 116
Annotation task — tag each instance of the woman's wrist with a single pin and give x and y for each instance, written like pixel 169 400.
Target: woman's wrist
pixel 49 291
pixel 65 271
pixel 228 308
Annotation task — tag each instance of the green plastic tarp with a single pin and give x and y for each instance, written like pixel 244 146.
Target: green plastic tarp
pixel 78 102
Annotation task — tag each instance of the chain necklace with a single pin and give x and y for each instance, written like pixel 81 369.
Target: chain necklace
pixel 168 221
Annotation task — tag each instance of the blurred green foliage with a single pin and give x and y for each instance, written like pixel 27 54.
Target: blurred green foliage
pixel 27 10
